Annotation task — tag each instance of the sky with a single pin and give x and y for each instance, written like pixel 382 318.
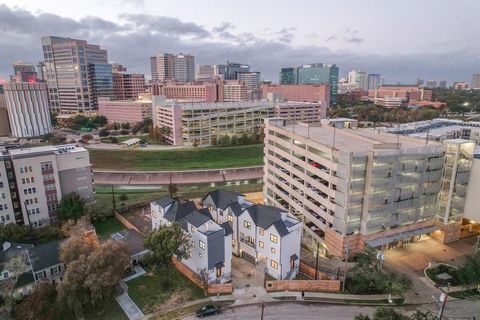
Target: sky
pixel 401 39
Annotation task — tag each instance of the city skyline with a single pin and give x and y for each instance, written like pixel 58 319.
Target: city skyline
pixel 266 44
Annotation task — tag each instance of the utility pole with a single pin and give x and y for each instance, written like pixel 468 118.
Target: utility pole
pixel 113 199
pixel 316 263
pixel 444 301
pixel 263 308
pixel 345 271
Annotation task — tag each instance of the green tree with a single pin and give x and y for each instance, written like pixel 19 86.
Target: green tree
pixel 469 273
pixel 71 207
pixel 123 197
pixel 167 242
pixel 103 132
pixel 13 232
pixel 41 304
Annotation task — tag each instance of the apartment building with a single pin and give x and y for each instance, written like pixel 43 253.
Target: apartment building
pixel 121 111
pixel 4 124
pixel 210 242
pixel 167 66
pixel 409 93
pixel 358 188
pixel 196 124
pixel 27 109
pixel 232 91
pixel 38 178
pixel 261 234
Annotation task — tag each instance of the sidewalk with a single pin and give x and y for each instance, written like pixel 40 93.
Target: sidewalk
pixel 128 306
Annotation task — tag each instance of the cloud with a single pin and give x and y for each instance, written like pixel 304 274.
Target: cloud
pixel 135 37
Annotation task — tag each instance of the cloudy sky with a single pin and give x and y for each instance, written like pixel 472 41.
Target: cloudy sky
pixel 401 39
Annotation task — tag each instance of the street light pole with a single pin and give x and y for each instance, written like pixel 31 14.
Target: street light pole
pixel 345 271
pixel 444 302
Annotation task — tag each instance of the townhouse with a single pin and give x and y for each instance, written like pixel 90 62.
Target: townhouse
pixel 210 243
pixel 262 234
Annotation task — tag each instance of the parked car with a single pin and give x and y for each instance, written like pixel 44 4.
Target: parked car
pixel 208 310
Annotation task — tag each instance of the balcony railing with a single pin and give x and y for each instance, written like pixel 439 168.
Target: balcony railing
pixel 248 243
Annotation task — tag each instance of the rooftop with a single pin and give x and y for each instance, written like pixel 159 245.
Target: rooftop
pixel 351 140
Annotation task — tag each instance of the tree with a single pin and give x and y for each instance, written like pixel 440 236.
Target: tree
pixel 167 242
pixel 71 207
pixel 123 197
pixel 41 304
pixel 470 271
pixel 172 189
pixel 125 125
pixel 96 213
pixel 74 247
pixel 13 232
pixel 91 277
pixel 87 137
pixel 103 132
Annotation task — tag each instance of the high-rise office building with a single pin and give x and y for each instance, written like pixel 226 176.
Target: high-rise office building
pixel 100 81
pixel 442 84
pixel 23 66
pixel 288 76
pixel 252 82
pixel 373 81
pixel 475 84
pixel 24 72
pixel 361 79
pixel 167 66
pixel 27 107
pixel 431 84
pixel 4 124
pixel 230 70
pixel 41 71
pixel 205 72
pixel 319 73
pixel 66 69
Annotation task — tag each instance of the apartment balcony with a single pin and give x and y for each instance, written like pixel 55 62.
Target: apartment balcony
pixel 47 171
pixel 248 243
pixel 49 181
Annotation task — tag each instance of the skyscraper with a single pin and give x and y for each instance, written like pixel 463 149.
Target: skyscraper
pixel 230 70
pixel 288 76
pixel 442 84
pixel 66 70
pixel 126 86
pixel 373 81
pixel 23 72
pixel 100 81
pixel 205 72
pixel 319 73
pixel 431 84
pixel 167 66
pixel 475 81
pixel 27 107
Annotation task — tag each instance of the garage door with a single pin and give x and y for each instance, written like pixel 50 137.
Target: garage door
pixel 248 257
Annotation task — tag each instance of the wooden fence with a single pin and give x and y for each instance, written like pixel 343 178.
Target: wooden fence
pixel 213 288
pixel 127 223
pixel 310 272
pixel 303 285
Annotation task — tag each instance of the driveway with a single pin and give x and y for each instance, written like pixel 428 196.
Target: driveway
pixel 412 259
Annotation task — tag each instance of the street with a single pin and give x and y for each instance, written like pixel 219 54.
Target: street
pixel 459 309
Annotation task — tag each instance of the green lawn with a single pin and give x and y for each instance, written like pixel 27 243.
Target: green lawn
pixel 103 194
pixel 178 159
pixel 106 310
pixel 106 228
pixel 149 291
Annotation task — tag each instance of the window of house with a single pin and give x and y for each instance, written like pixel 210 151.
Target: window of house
pixel 261 231
pixel 273 250
pixel 220 212
pixel 199 254
pixel 261 244
pixel 201 244
pixel 193 244
pixel 273 238
pixel 247 224
pixel 233 242
pixel 274 264
pixel 230 218
pixel 192 229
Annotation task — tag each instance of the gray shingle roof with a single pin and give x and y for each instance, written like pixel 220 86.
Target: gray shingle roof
pixel 236 208
pixel 196 218
pixel 281 228
pixel 223 198
pixel 228 228
pixel 264 216
pixel 45 255
pixel 179 210
pixel 164 201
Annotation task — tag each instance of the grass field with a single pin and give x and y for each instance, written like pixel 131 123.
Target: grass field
pixel 106 310
pixel 106 228
pixel 178 159
pixel 150 292
pixel 103 194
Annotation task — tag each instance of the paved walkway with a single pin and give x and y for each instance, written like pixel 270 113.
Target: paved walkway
pixel 132 311
pixel 128 306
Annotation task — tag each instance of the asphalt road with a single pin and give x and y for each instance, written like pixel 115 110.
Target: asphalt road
pixel 289 311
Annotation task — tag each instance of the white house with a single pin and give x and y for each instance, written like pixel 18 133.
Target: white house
pixel 210 242
pixel 261 234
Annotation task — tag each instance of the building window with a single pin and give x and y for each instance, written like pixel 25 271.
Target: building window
pixel 220 212
pixel 274 264
pixel 233 242
pixel 247 224
pixel 273 238
pixel 273 250
pixel 261 231
pixel 192 229
pixel 201 244
pixel 261 244
pixel 230 218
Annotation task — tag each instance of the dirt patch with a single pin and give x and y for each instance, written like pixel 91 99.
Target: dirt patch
pixel 176 300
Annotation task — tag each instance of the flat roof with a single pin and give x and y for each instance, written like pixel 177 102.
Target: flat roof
pixel 58 149
pixel 355 140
